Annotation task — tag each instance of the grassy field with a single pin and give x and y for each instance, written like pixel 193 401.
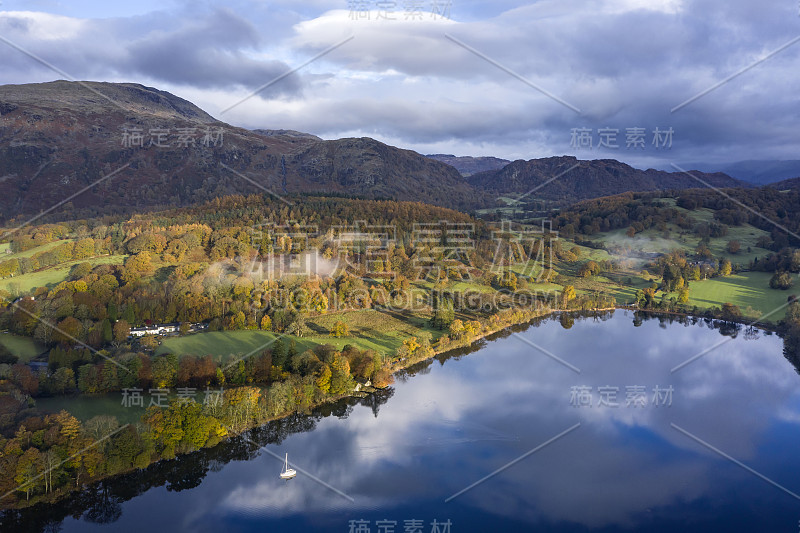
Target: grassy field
pixel 745 289
pixel 381 331
pixel 85 407
pixel 54 275
pixel 369 329
pixel 654 241
pixel 23 347
pixel 32 251
pixel 225 343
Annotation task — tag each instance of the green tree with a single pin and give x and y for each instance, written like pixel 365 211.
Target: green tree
pixel 443 312
pixel 163 373
pixel 279 353
pixel 341 380
pixel 88 379
pixel 108 334
pixel 781 280
pixel 63 380
pixel 731 312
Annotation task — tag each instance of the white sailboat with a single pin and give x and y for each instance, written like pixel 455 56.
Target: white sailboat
pixel 287 473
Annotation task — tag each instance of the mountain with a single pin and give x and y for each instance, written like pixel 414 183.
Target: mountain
pixel 89 148
pixel 134 147
pixel 758 172
pixel 468 166
pixel 588 179
pixel 356 165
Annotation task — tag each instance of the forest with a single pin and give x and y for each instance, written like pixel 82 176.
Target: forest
pixel 224 264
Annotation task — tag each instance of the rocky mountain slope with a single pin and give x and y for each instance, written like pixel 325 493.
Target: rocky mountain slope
pixel 59 138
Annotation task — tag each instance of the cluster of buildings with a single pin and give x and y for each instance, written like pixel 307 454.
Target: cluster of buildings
pixel 165 329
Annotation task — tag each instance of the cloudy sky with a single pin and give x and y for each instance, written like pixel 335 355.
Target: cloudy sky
pixel 505 78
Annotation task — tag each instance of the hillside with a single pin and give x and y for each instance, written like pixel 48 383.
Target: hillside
pixel 58 138
pixel 590 179
pixel 792 183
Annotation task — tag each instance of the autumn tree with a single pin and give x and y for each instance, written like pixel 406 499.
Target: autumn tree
pixel 68 331
pixel 725 268
pixel 683 295
pixel 323 380
pixel 340 329
pixel 341 380
pixel 568 293
pixel 121 331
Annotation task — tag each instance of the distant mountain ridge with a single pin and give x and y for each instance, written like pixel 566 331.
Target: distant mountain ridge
pixel 467 165
pixel 567 179
pixel 757 172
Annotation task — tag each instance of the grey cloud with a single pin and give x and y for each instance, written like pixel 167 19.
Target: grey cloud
pixel 207 51
pixel 406 83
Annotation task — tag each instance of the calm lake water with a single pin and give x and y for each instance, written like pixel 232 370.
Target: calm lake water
pixel 402 455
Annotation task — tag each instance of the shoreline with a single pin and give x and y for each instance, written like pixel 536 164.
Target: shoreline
pixel 394 368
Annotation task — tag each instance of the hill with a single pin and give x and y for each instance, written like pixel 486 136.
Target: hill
pixel 793 183
pixel 59 138
pixel 588 179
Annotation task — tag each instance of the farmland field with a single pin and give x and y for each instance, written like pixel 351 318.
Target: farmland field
pixel 745 289
pixel 369 329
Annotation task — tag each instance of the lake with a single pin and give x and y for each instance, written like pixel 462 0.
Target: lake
pixel 597 427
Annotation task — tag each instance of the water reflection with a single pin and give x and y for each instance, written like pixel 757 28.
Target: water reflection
pixel 451 421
